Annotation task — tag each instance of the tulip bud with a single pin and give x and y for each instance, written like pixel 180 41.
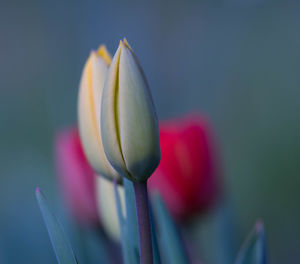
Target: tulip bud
pixel 107 206
pixel 129 127
pixel 188 176
pixel 90 93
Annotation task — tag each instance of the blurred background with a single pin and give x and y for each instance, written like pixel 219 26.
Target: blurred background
pixel 236 61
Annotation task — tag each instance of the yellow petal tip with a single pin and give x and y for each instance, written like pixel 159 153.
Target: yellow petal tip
pixel 126 43
pixel 104 54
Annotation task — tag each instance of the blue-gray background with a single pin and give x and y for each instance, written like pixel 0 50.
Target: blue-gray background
pixel 237 61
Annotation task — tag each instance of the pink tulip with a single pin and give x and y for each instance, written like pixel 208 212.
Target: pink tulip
pixel 76 177
pixel 187 175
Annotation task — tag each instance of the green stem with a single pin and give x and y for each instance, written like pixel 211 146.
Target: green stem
pixel 145 236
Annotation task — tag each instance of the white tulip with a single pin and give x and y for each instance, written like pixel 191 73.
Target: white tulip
pixel 89 99
pixel 129 126
pixel 107 206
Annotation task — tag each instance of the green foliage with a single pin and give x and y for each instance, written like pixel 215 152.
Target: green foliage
pixel 168 246
pixel 59 240
pixel 171 246
pixel 128 224
pixel 254 249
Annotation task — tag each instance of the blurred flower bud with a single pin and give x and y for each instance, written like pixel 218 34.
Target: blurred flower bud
pixel 76 177
pixel 107 206
pixel 89 99
pixel 129 127
pixel 187 174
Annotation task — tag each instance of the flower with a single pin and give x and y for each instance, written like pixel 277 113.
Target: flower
pixel 129 127
pixel 107 206
pixel 187 175
pixel 76 177
pixel 89 98
pixel 89 196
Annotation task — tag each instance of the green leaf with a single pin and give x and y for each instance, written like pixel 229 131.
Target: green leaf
pixel 131 220
pixel 170 242
pixel 156 253
pixel 253 250
pixel 125 251
pixel 60 243
pixel 128 224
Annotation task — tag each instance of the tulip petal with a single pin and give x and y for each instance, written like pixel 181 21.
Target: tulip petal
pixel 102 52
pixel 108 207
pixel 137 118
pixel 110 116
pixel 90 93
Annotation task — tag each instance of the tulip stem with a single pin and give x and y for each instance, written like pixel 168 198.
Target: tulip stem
pixel 145 236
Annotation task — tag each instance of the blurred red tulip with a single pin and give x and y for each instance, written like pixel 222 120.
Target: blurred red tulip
pixel 187 175
pixel 76 177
